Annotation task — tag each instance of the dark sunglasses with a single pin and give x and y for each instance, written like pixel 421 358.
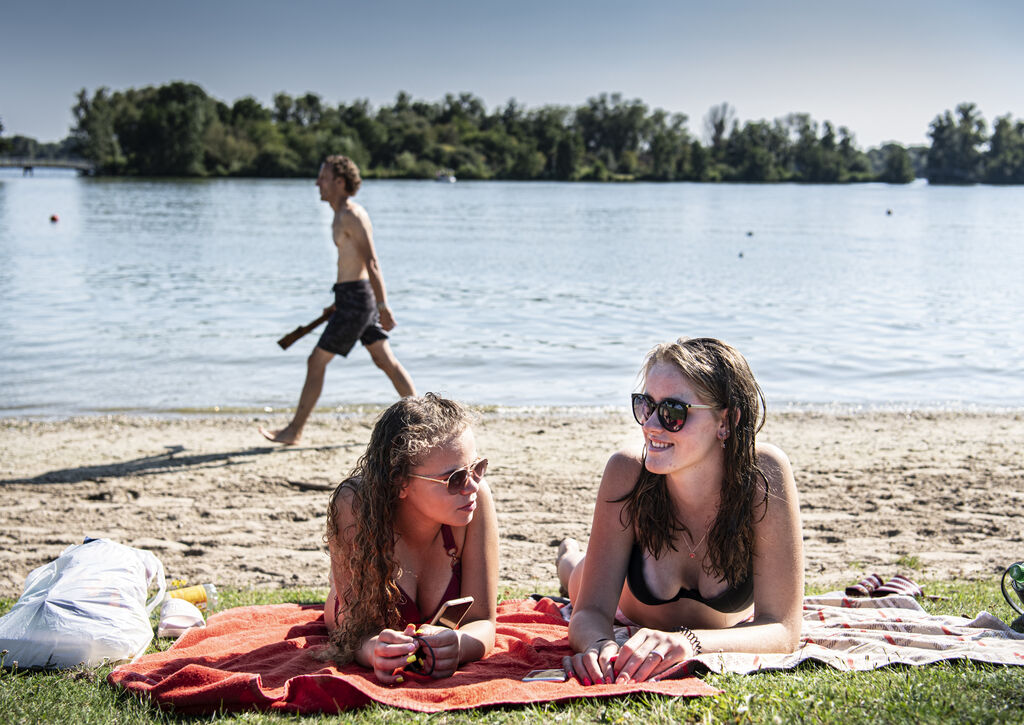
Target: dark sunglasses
pixel 671 413
pixel 458 479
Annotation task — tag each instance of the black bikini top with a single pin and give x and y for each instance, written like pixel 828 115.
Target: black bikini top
pixel 731 600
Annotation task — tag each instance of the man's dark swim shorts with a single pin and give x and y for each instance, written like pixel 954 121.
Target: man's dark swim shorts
pixel 355 318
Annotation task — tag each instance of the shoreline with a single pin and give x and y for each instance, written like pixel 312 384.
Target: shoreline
pixel 931 494
pixel 348 410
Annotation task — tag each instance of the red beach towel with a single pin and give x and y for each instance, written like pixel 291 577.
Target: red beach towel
pixel 262 658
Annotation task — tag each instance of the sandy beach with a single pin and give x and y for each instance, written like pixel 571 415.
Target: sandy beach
pixel 216 503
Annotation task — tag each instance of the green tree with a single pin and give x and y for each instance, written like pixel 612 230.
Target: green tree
pixel 955 154
pixel 809 162
pixel 758 151
pixel 611 126
pixel 717 122
pixel 284 106
pixel 854 162
pixel 668 147
pixel 248 109
pixel 550 128
pixel 568 154
pixel 93 132
pixel 177 129
pixel 1004 161
pixel 163 134
pixel 371 134
pixel 700 162
pixel 226 153
pixel 24 147
pixel 896 165
pixel 308 110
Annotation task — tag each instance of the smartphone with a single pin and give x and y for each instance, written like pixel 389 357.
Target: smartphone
pixel 452 612
pixel 557 675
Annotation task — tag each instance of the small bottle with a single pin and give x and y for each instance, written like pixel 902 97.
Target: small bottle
pixel 204 596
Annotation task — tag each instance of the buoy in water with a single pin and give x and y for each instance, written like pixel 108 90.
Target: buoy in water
pixel 54 218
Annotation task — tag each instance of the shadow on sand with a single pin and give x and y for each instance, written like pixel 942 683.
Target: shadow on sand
pixel 169 460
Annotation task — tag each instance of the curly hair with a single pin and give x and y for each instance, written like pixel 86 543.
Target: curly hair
pixel 723 378
pixel 403 435
pixel 345 168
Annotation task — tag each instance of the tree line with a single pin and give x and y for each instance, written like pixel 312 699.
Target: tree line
pixel 178 130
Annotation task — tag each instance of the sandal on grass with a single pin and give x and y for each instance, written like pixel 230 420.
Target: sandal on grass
pixel 865 587
pixel 898 585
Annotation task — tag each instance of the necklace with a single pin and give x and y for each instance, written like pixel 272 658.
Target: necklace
pixel 693 549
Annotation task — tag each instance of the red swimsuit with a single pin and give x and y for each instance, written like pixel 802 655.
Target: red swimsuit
pixel 407 608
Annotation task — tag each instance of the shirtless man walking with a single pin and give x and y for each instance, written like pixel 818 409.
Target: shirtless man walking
pixel 360 310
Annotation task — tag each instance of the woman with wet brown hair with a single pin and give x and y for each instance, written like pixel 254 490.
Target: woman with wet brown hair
pixel 412 527
pixel 696 540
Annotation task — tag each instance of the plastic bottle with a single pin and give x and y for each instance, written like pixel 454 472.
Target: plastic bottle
pixel 204 596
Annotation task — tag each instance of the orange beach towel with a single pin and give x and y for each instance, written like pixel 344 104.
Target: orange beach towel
pixel 262 658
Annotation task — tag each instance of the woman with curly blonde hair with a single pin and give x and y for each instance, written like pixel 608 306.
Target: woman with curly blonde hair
pixel 412 527
pixel 696 540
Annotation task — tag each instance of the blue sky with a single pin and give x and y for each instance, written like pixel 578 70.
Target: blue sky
pixel 883 69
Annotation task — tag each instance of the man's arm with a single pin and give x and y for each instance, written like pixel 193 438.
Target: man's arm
pixel 358 230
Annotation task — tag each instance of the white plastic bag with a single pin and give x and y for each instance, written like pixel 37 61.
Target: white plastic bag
pixel 86 606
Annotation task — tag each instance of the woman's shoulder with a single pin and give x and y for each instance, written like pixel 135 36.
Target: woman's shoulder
pixel 770 454
pixel 774 464
pixel 343 503
pixel 347 489
pixel 621 471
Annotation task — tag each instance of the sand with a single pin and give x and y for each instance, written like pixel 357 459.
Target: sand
pixel 933 495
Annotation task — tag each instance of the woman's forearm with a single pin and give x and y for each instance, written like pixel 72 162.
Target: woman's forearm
pixel 364 655
pixel 756 637
pixel 588 627
pixel 476 639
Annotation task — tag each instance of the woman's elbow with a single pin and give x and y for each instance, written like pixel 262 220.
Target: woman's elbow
pixel 488 638
pixel 483 632
pixel 791 636
pixel 782 635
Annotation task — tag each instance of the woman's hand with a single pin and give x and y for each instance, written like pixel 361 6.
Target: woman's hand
pixel 650 652
pixel 390 651
pixel 444 644
pixel 593 666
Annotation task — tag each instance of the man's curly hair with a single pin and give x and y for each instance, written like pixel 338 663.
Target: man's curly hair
pixel 345 168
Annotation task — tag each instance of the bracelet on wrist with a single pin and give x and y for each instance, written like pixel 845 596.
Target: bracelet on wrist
pixel 381 306
pixel 693 639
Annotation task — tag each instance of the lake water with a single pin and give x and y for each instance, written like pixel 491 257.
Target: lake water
pixel 157 296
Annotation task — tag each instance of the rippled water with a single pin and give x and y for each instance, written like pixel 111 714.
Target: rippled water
pixel 162 295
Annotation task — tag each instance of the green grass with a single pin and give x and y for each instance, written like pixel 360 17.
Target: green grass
pixel 812 694
pixel 908 561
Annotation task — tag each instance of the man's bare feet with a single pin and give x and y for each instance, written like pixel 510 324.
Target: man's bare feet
pixel 283 436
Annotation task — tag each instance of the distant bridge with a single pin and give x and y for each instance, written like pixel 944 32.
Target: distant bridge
pixel 27 164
